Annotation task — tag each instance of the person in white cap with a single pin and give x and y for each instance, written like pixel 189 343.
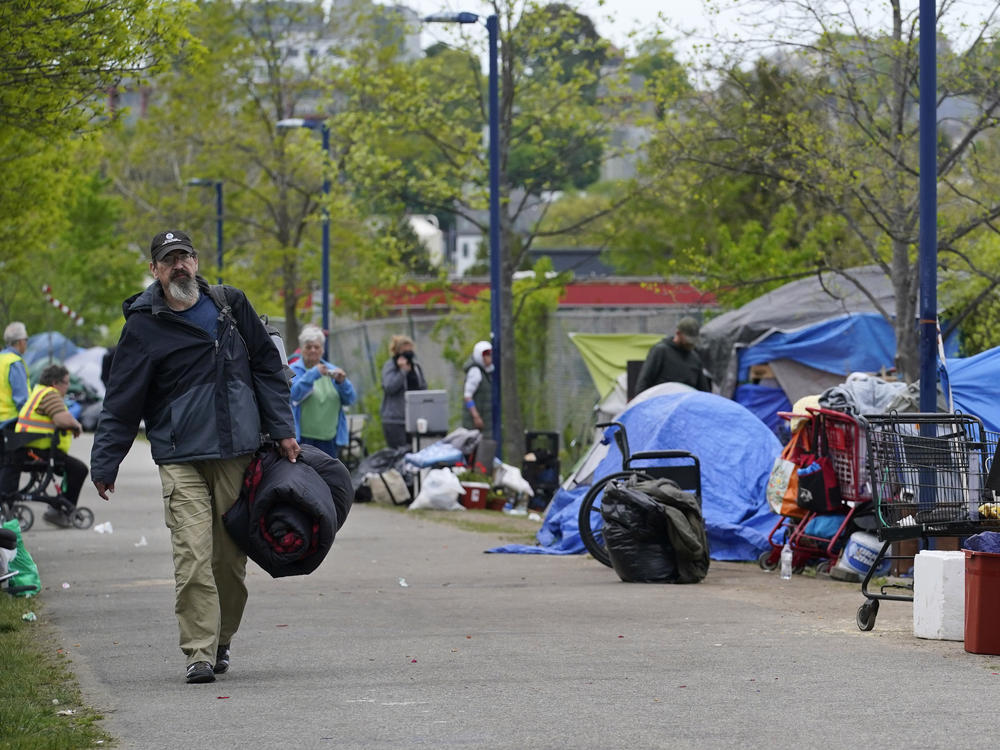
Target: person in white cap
pixel 477 395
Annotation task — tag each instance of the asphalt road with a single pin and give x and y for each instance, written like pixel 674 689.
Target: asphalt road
pixel 410 636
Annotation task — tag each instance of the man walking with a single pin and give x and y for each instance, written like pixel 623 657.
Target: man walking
pixel 675 360
pixel 208 382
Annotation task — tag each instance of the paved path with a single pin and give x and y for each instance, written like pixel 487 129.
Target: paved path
pixel 409 636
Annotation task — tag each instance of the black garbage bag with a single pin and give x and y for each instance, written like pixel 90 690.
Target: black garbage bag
pixel 288 514
pixel 654 532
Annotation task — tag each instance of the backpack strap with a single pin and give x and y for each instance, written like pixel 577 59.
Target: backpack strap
pixel 218 294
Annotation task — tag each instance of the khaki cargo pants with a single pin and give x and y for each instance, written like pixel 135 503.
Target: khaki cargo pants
pixel 209 569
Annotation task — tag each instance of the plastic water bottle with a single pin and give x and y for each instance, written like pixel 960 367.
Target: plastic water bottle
pixel 786 562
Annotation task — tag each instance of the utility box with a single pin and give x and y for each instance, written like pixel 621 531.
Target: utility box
pixel 430 408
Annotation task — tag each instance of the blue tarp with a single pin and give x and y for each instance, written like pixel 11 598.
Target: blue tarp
pixel 974 386
pixel 765 401
pixel 862 342
pixel 46 347
pixel 736 451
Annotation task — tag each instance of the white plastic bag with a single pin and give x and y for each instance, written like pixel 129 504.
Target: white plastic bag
pixel 509 477
pixel 777 483
pixel 439 490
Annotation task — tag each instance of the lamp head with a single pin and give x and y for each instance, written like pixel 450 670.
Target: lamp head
pixel 463 17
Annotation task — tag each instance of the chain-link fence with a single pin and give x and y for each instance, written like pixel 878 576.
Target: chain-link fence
pixel 565 396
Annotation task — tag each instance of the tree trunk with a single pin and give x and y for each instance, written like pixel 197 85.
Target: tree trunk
pixel 905 284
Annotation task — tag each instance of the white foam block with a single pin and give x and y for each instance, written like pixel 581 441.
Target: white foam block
pixel 939 595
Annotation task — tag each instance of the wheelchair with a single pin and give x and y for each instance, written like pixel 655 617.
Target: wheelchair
pixel 43 483
pixel 681 467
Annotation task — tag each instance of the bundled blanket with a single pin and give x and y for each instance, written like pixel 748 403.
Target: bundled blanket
pixel 288 513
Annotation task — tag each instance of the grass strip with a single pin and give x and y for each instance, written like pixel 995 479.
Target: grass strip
pixel 41 707
pixel 510 529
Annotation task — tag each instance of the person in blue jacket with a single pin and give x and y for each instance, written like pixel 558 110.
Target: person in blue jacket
pixel 320 391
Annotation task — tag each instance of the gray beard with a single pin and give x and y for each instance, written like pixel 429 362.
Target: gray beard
pixel 184 290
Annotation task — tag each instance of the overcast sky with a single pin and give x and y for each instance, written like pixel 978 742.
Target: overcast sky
pixel 686 15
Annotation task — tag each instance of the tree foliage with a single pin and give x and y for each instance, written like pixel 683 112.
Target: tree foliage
pixel 60 60
pixel 264 62
pixel 557 108
pixel 824 119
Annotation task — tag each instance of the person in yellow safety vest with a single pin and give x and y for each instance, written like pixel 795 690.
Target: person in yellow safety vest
pixel 45 412
pixel 13 371
pixel 13 392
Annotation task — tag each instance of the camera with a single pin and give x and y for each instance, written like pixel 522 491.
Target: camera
pixel 408 354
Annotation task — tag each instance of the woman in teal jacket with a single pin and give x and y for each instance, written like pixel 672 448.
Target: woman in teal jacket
pixel 320 391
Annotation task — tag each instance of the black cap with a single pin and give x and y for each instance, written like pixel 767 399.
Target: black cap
pixel 164 242
pixel 689 327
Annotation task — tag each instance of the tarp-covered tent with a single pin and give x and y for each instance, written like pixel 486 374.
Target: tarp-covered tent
pixel 811 333
pixel 608 409
pixel 48 347
pixel 736 451
pixel 973 383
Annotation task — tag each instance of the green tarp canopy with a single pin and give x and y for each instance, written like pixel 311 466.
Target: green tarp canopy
pixel 607 354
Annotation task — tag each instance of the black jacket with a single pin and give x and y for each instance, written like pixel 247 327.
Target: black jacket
pixel 200 398
pixel 669 363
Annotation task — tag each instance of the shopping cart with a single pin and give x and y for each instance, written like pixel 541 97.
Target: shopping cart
pixel 841 437
pixel 928 475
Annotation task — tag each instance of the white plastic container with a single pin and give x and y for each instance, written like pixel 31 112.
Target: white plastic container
pixel 939 595
pixel 859 554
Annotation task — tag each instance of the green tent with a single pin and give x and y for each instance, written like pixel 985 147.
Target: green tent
pixel 607 354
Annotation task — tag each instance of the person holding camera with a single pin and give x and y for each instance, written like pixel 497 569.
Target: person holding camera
pixel 320 391
pixel 400 373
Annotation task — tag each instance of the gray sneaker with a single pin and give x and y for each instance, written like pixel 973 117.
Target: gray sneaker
pixel 221 659
pixel 200 671
pixel 58 518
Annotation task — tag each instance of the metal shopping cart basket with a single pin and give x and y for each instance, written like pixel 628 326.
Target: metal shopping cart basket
pixel 928 479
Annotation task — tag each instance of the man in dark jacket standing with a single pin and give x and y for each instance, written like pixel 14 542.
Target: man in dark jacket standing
pixel 675 360
pixel 208 384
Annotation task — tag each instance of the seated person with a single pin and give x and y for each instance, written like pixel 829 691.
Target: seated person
pixel 43 413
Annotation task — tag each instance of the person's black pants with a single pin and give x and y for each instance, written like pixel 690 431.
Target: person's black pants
pixel 395 434
pixel 75 472
pixel 9 476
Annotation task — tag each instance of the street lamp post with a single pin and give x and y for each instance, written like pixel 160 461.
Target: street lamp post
pixel 493 29
pixel 298 122
pixel 217 184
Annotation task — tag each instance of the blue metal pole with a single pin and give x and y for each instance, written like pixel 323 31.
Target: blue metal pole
pixel 928 207
pixel 218 223
pixel 493 27
pixel 326 242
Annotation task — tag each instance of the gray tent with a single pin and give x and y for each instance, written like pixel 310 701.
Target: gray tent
pixel 826 314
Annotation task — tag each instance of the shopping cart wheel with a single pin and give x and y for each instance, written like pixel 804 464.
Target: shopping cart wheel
pixel 82 518
pixel 823 568
pixel 768 560
pixel 867 613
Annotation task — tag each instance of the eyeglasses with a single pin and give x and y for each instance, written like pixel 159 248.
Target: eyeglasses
pixel 171 259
